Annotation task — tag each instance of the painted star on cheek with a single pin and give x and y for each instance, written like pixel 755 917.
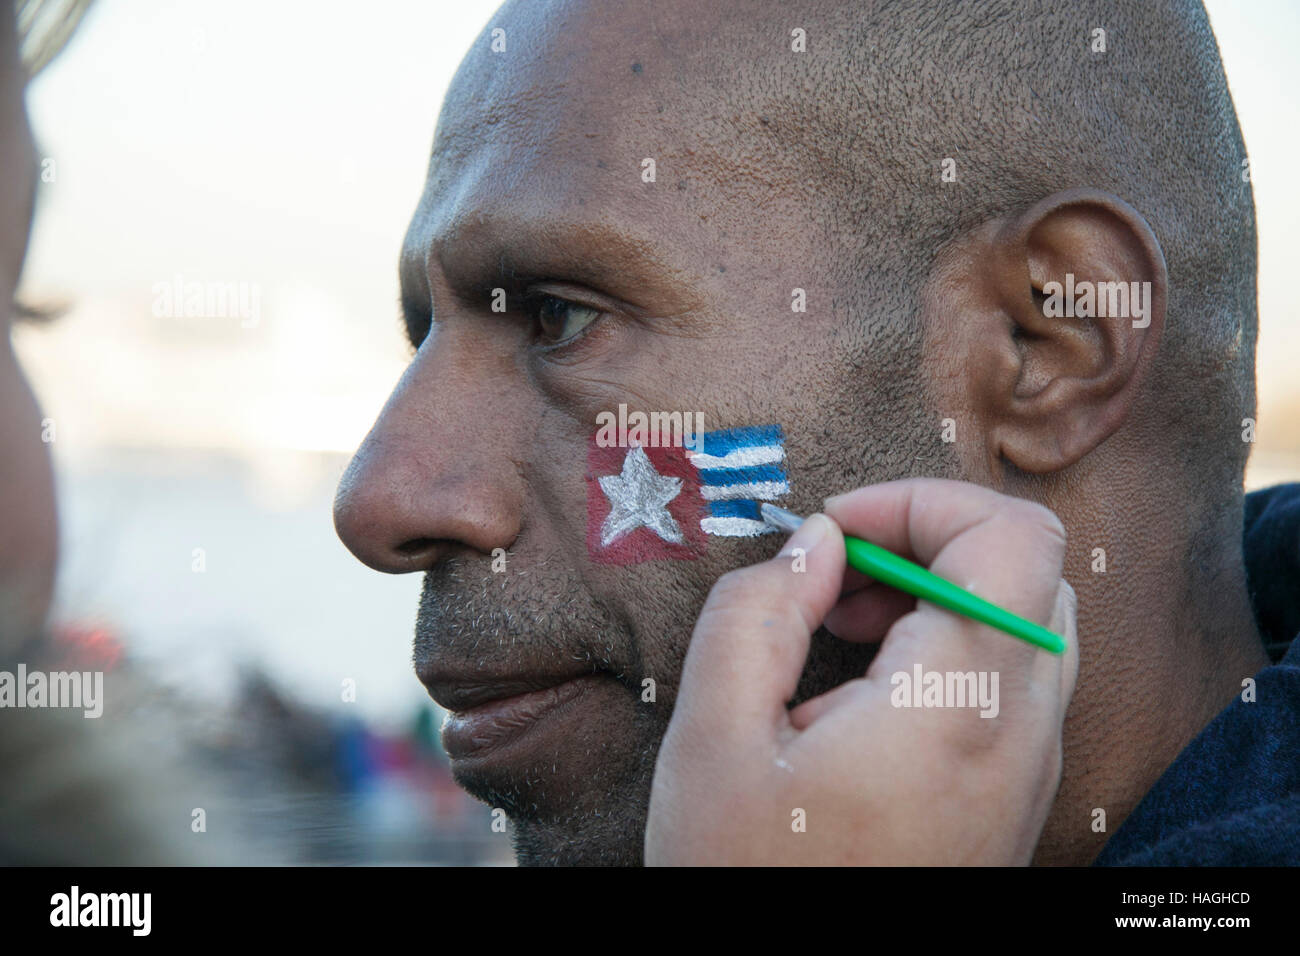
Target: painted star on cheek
pixel 638 498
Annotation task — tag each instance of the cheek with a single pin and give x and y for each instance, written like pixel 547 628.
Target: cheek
pixel 28 528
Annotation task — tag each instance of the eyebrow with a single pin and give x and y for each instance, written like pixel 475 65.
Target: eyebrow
pixel 512 252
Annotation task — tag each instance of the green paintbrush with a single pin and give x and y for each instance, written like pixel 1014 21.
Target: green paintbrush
pixel 888 568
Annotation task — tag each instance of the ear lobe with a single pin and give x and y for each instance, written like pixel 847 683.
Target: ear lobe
pixel 1082 279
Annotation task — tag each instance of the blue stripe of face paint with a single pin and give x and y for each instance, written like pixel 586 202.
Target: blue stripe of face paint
pixel 740 508
pixel 721 477
pixel 729 439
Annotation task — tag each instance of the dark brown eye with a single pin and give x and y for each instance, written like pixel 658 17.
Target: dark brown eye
pixel 559 319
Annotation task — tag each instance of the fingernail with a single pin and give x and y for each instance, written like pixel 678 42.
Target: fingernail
pixel 809 535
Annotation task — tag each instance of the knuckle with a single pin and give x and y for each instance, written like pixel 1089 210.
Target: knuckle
pixel 741 597
pixel 1042 519
pixel 1071 598
pixel 734 587
pixel 976 738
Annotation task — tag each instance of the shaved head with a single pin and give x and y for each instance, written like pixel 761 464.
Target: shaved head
pixel 845 220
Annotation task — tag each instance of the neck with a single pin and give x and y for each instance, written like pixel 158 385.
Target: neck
pixel 1156 665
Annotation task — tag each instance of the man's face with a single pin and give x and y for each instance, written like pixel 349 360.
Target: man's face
pixel 671 295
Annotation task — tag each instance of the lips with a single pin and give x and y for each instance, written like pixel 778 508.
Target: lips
pixel 488 715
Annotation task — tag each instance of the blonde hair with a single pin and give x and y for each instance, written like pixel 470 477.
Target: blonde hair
pixel 44 29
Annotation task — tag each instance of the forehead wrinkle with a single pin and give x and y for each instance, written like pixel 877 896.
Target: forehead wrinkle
pixel 560 204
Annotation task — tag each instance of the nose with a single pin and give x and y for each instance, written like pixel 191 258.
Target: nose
pixel 435 476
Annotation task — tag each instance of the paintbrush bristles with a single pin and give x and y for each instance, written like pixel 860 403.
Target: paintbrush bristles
pixel 779 518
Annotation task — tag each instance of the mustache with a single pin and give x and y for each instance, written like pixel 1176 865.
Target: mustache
pixel 512 619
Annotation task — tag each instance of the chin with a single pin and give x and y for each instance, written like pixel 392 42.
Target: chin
pixel 584 800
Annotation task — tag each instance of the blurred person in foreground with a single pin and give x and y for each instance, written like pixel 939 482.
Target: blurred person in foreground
pixel 78 785
pixel 650 191
pixel 122 781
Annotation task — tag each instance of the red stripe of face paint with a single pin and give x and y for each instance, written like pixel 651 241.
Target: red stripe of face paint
pixel 642 544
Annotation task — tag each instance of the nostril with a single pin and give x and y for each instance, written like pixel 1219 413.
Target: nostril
pixel 416 546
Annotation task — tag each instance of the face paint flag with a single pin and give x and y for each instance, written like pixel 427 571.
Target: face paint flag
pixel 647 504
pixel 738 468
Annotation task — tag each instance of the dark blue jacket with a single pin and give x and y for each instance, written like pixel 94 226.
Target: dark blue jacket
pixel 1232 797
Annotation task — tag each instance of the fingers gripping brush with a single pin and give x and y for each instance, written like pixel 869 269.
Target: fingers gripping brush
pixel 888 568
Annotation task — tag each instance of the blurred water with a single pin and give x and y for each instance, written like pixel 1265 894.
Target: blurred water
pixel 276 590
pixel 234 658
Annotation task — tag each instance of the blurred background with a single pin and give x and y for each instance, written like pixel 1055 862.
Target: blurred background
pixel 224 192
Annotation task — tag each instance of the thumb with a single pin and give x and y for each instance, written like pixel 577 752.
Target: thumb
pixel 751 638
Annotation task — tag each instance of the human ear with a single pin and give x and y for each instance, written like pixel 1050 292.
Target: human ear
pixel 1076 288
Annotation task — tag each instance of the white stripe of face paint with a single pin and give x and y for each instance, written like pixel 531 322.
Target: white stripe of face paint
pixel 740 458
pixel 735 527
pixel 766 490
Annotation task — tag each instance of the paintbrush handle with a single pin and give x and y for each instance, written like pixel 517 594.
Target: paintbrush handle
pixel 889 568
